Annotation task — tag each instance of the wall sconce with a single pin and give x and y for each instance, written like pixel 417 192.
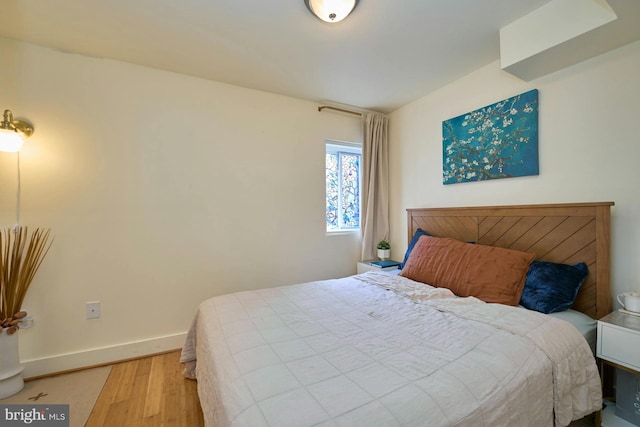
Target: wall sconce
pixel 331 10
pixel 13 132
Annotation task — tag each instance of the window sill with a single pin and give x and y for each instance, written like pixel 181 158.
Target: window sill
pixel 342 232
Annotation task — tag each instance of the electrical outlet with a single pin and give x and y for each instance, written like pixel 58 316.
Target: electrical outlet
pixel 93 310
pixel 26 322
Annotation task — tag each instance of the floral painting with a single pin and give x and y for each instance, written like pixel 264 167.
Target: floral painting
pixel 496 141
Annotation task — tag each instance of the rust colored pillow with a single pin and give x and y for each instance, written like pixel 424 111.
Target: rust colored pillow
pixel 489 273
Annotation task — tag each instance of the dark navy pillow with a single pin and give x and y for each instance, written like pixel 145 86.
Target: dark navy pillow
pixel 419 233
pixel 551 287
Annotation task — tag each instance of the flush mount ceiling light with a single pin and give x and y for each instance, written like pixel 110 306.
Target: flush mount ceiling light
pixel 331 10
pixel 13 132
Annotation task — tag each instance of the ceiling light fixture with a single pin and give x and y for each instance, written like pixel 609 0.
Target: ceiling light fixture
pixel 331 10
pixel 13 132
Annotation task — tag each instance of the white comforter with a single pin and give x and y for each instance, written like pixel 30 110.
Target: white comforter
pixel 382 350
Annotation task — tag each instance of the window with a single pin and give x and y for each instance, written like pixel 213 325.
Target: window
pixel 343 185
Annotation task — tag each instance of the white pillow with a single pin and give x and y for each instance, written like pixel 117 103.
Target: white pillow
pixel 583 323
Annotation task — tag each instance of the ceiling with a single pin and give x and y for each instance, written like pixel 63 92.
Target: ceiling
pixel 384 55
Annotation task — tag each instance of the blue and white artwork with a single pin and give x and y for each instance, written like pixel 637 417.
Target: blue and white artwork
pixel 496 141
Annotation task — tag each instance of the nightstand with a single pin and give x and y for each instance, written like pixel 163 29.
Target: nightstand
pixel 619 346
pixel 363 266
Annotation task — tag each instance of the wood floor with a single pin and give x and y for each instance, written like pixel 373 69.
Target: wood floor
pixel 148 392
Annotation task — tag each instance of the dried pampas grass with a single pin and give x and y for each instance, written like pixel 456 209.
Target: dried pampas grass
pixel 21 253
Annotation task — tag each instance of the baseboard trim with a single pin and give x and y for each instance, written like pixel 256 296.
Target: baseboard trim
pixel 101 356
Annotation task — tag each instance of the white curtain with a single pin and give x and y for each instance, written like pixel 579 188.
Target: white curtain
pixel 375 183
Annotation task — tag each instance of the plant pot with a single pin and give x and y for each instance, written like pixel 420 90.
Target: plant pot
pixel 384 254
pixel 10 369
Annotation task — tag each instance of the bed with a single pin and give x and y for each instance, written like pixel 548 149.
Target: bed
pixel 385 350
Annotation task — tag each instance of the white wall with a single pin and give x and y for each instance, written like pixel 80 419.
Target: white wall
pixel 161 190
pixel 589 146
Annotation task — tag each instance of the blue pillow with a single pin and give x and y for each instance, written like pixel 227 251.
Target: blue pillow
pixel 419 233
pixel 551 287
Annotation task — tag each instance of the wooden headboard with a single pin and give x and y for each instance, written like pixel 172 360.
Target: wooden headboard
pixel 564 233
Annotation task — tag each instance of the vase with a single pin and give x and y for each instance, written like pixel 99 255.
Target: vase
pixel 11 381
pixel 384 254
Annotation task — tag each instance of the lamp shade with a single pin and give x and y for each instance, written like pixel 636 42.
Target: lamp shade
pixel 331 10
pixel 10 141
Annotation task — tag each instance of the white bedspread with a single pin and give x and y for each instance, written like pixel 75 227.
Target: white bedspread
pixel 382 350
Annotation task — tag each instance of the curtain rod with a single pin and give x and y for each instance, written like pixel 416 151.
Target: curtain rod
pixel 322 107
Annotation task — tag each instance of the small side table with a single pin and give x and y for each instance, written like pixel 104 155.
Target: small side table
pixel 618 346
pixel 364 266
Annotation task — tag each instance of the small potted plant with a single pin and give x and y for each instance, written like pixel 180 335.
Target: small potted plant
pixel 384 250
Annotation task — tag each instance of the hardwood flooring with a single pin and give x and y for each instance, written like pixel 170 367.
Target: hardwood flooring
pixel 148 392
